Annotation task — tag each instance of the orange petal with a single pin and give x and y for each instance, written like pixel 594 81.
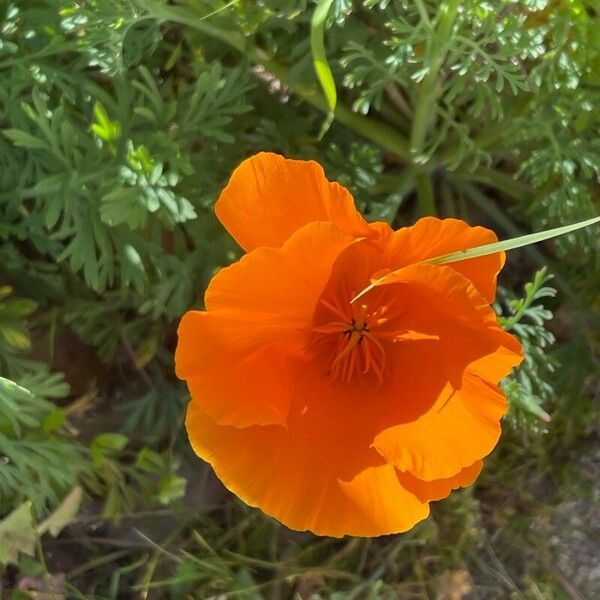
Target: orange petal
pixel 442 330
pixel 460 428
pixel 440 488
pixel 440 302
pixel 269 197
pixel 431 237
pixel 385 505
pixel 240 358
pixel 283 283
pixel 240 370
pixel 318 473
pixel 448 409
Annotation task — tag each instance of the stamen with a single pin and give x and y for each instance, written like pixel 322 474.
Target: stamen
pixel 351 363
pixel 360 324
pixel 354 339
pixel 357 349
pixel 377 366
pixel 367 356
pixel 335 309
pixel 333 327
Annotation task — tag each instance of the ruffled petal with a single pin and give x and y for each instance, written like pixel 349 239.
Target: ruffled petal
pixel 241 371
pixel 430 237
pixel 440 488
pixel 445 368
pixel 383 503
pixel 460 428
pixel 317 474
pixel 269 197
pixel 283 283
pixel 440 303
pixel 241 357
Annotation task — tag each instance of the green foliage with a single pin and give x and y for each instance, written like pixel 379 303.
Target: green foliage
pixel 32 449
pixel 17 534
pixel 124 480
pixel 528 389
pixel 34 454
pixel 120 121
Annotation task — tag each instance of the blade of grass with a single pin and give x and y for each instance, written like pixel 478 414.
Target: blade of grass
pixel 486 205
pixel 511 244
pixel 478 251
pixel 322 68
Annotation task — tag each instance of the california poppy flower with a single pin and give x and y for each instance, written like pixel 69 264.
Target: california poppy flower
pixel 335 416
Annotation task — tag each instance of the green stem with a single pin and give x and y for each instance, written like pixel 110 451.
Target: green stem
pixel 397 187
pixel 50 50
pixel 397 99
pixel 495 136
pixel 427 91
pixel 425 194
pixel 423 12
pixel 500 181
pixel 402 182
pixel 378 133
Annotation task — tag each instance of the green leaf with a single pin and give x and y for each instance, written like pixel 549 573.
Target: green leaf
pixel 528 403
pixel 111 441
pixel 54 421
pixel 17 308
pixel 43 384
pixel 64 514
pixel 15 338
pixel 107 444
pixel 104 128
pixel 50 184
pixel 25 140
pixel 19 407
pixel 123 205
pixel 322 68
pixel 170 488
pixel 17 534
pixel 149 460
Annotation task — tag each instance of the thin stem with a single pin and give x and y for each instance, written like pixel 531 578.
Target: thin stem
pixel 501 181
pixel 50 50
pixel 427 91
pixel 425 194
pixel 398 100
pixel 495 136
pixel 391 116
pixel 423 12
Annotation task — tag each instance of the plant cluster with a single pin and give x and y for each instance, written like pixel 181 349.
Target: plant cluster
pixel 120 121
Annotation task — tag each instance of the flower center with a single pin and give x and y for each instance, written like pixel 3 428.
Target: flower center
pixel 351 340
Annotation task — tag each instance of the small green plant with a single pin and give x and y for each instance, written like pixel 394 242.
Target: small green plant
pixel 528 389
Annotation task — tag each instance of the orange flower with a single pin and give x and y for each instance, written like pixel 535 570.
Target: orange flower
pixel 339 417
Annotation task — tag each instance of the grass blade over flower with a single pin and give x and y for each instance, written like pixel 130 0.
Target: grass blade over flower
pixel 486 250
